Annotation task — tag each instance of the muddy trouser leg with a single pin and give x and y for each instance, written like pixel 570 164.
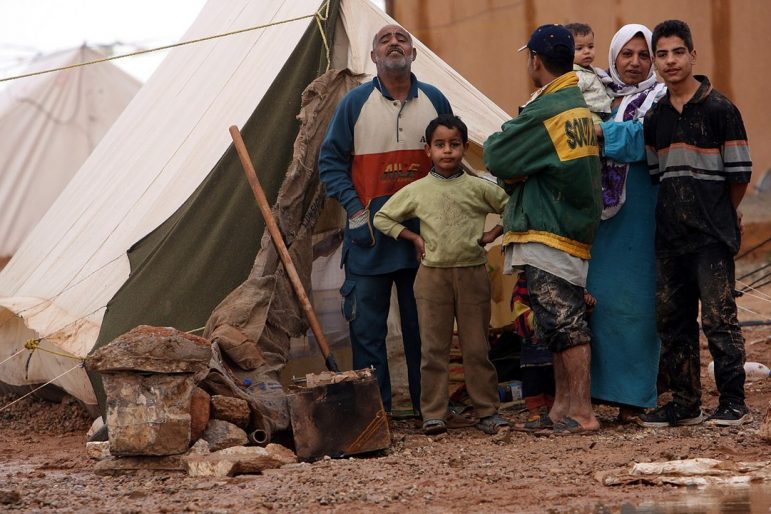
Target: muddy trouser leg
pixel 366 300
pixel 560 312
pixel 677 305
pixel 436 311
pixel 408 313
pixel 472 308
pixel 560 322
pixel 715 271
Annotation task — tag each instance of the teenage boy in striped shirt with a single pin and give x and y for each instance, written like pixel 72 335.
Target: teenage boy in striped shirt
pixel 697 151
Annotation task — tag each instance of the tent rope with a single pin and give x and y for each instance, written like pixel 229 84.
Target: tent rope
pixel 319 19
pixel 41 387
pixel 34 344
pixel 12 356
pixel 759 297
pixel 754 271
pixel 167 47
pixel 759 294
pixel 31 344
pixel 766 318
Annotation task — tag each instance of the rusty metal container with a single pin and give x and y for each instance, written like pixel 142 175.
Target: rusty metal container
pixel 338 414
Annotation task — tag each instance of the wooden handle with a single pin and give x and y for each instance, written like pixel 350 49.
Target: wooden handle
pixel 278 240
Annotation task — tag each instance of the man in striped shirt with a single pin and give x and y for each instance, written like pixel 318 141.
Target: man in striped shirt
pixel 697 151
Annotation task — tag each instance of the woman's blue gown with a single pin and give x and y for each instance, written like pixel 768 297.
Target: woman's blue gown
pixel 622 276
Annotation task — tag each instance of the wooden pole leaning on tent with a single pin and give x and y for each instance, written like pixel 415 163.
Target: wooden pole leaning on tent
pixel 283 253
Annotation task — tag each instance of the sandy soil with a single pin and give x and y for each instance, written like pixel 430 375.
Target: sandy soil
pixel 43 466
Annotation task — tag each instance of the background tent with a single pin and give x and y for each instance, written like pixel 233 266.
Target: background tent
pixel 159 225
pixel 50 124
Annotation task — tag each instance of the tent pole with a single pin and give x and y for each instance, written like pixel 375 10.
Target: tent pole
pixel 278 241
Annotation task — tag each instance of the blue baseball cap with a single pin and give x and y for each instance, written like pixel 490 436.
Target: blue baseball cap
pixel 551 41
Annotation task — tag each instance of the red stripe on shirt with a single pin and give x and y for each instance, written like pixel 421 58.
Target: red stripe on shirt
pixel 383 174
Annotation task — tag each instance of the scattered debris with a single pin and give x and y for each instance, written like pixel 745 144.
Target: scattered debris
pixel 98 450
pixel 200 411
pixel 338 418
pixel 223 434
pixel 688 472
pixel 119 465
pixel 239 460
pixel 233 410
pixel 9 497
pixel 96 426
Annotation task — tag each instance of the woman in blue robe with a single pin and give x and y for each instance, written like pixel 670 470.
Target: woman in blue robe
pixel 622 270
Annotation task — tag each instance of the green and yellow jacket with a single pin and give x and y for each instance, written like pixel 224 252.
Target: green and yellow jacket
pixel 547 158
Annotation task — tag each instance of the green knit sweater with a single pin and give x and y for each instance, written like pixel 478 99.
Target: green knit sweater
pixel 552 146
pixel 452 216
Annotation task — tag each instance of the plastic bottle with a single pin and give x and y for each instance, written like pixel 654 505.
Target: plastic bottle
pixel 753 371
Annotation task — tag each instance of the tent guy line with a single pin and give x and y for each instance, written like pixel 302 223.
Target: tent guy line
pixel 12 356
pixel 79 365
pixel 317 15
pixel 760 296
pixel 765 318
pixel 34 344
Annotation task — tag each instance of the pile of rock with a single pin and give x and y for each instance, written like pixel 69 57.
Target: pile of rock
pixel 158 418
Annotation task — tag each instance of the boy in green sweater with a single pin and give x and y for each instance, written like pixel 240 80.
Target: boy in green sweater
pixel 452 282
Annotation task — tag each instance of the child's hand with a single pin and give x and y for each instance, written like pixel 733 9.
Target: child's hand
pixel 490 236
pixel 416 240
pixel 420 248
pixel 590 301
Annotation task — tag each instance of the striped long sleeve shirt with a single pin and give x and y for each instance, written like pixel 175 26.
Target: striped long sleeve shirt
pixel 695 155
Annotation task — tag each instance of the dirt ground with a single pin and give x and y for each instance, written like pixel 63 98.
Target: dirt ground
pixel 43 466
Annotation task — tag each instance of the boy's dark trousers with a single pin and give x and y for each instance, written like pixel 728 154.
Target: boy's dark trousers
pixel 681 281
pixel 445 295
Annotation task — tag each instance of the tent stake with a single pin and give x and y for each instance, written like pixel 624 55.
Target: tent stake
pixel 278 241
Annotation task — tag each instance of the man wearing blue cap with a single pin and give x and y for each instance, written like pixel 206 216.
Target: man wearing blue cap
pixel 548 160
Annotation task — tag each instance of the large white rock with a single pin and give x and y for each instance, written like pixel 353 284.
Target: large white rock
pixel 148 414
pixel 239 460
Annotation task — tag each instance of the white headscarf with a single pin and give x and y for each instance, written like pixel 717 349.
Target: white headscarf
pixel 621 38
pixel 639 98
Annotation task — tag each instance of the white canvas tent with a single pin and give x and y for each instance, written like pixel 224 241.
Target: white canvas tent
pixel 50 124
pixel 62 283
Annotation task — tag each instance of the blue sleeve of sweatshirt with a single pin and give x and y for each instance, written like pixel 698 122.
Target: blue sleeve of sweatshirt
pixel 336 153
